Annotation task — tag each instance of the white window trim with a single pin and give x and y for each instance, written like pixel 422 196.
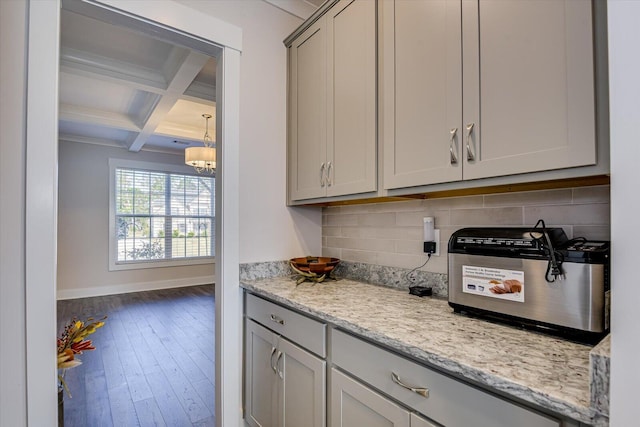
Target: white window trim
pixel 114 264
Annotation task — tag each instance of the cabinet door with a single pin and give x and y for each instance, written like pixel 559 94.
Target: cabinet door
pixel 351 97
pixel 308 129
pixel 418 421
pixel 448 402
pixel 302 392
pixel 528 86
pixel 260 376
pixel 421 84
pixel 355 405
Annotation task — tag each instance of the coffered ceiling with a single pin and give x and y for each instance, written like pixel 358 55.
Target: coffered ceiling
pixel 128 89
pixel 123 88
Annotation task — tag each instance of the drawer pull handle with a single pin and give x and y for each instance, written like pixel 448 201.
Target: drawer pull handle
pixel 273 366
pixel 421 391
pixel 276 319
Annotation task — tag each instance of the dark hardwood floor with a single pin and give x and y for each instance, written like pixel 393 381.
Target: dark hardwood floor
pixel 154 362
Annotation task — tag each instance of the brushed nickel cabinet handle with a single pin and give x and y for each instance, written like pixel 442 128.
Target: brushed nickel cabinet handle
pixel 276 319
pixel 273 366
pixel 329 174
pixel 471 156
pixel 424 392
pixel 280 373
pixel 322 174
pixel 452 142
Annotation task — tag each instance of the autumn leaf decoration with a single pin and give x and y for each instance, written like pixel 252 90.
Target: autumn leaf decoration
pixel 73 342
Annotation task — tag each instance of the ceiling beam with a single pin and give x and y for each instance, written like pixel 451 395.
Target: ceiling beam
pixel 78 62
pixel 186 71
pixel 201 92
pixel 299 8
pixel 92 116
pixel 177 131
pixel 116 144
pixel 89 140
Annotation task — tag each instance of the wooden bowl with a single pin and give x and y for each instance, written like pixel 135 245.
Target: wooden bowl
pixel 317 265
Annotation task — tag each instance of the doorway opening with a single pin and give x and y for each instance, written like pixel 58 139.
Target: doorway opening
pixel 74 120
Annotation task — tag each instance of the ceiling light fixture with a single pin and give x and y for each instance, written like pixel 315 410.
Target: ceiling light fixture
pixel 203 159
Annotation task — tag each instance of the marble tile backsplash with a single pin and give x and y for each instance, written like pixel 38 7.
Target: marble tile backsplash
pixel 390 234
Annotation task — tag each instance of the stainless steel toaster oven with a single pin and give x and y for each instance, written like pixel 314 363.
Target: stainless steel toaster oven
pixel 532 277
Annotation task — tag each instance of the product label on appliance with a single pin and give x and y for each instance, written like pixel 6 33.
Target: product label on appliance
pixel 493 282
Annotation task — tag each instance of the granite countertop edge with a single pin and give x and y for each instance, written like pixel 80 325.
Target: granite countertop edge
pixel 491 381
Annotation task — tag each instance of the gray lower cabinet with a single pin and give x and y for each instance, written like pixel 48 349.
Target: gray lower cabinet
pixel 286 371
pixel 285 385
pixel 354 405
pixel 441 398
pixel 417 421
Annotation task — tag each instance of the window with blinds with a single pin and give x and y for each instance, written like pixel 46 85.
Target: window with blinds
pixel 163 216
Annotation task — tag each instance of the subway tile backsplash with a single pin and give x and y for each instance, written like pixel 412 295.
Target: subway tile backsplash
pixel 390 234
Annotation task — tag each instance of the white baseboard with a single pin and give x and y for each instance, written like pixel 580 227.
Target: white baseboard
pixel 126 288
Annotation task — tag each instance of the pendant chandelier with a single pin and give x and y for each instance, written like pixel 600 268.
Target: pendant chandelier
pixel 203 159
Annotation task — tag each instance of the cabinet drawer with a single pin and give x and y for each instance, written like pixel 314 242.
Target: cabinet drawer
pixel 300 329
pixel 449 402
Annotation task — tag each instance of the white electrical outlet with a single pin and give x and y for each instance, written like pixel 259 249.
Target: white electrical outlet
pixel 430 234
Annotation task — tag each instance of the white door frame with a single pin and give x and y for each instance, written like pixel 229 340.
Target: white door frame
pixel 41 208
pixel 42 190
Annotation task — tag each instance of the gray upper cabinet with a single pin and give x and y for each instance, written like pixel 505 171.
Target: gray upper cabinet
pixel 462 93
pixel 528 86
pixel 421 84
pixel 485 88
pixel 332 89
pixel 307 113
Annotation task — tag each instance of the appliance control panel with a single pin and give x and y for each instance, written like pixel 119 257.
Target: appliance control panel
pixel 589 251
pixel 490 241
pixel 508 242
pixel 587 246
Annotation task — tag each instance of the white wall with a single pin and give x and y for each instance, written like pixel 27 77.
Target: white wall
pixel 83 227
pixel 12 224
pixel 268 229
pixel 624 87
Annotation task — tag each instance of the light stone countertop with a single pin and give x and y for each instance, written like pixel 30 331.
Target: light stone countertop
pixel 600 369
pixel 546 371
